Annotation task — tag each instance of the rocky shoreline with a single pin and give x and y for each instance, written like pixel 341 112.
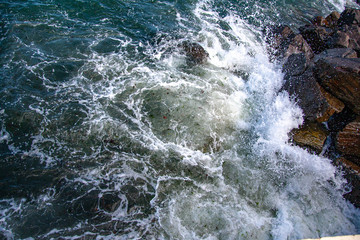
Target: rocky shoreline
pixel 322 74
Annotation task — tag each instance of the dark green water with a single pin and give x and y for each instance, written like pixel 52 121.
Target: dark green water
pixel 107 132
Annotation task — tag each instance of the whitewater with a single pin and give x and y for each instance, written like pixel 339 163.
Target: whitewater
pixel 108 132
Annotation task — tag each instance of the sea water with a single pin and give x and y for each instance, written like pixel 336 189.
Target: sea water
pixel 109 132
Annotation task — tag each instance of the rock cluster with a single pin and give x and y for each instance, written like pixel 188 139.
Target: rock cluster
pixel 322 73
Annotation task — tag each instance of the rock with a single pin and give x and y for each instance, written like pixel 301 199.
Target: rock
pixel 354 37
pixel 311 135
pixel 317 104
pixel 194 52
pixel 295 64
pixel 340 77
pixel 280 35
pixel 336 52
pixel 332 19
pixel 298 45
pixel 348 140
pixel 351 172
pixel 339 40
pixel 285 43
pixel 316 36
pixel 319 21
pixel 355 169
pixel 338 121
pixel 349 17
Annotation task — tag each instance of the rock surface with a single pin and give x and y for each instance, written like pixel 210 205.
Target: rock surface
pixel 348 140
pixel 341 77
pixel 322 74
pixel 311 135
pixel 194 52
pixel 284 42
pixel 317 104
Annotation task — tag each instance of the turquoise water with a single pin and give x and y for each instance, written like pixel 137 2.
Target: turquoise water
pixel 107 131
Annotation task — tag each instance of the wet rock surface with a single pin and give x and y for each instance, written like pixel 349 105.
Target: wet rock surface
pixel 311 135
pixel 194 52
pixel 348 139
pixel 340 77
pixel 322 74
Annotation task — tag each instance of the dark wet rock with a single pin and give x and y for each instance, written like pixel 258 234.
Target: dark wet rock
pixel 338 121
pixel 351 172
pixel 317 104
pixel 338 40
pixel 194 52
pixel 295 64
pixel 349 17
pixel 316 36
pixel 298 45
pixel 350 165
pixel 354 37
pixel 340 76
pixel 336 52
pixel 332 19
pixel 348 140
pixel 311 135
pixel 284 42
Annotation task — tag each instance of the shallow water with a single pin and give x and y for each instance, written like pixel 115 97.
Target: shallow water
pixel 108 132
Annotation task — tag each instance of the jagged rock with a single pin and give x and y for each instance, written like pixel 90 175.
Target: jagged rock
pixel 285 43
pixel 348 140
pixel 338 121
pixel 298 45
pixel 336 52
pixel 311 135
pixel 194 52
pixel 319 21
pixel 295 64
pixel 316 103
pixel 354 36
pixel 316 36
pixel 339 40
pixel 340 77
pixel 350 165
pixel 332 19
pixel 349 17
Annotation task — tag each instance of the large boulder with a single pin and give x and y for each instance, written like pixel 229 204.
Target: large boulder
pixel 348 140
pixel 341 77
pixel 316 103
pixel 311 135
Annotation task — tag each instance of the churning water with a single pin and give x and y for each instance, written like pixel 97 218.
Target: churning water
pixel 107 131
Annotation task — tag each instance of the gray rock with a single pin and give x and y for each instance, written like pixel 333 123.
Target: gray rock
pixel 317 104
pixel 295 64
pixel 340 77
pixel 336 52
